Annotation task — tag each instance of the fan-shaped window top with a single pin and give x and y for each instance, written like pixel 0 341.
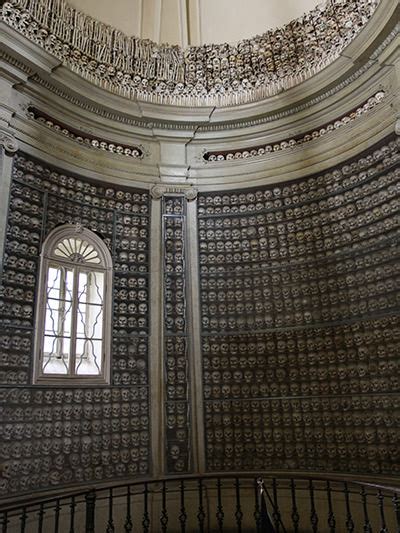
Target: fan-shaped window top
pixel 77 250
pixel 73 333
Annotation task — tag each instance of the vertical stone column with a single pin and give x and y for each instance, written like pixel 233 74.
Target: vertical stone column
pixel 156 379
pixel 175 363
pixel 8 147
pixel 176 334
pixel 195 352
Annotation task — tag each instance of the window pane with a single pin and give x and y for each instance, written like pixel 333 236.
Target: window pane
pixel 52 362
pixel 90 321
pixel 89 326
pixel 53 282
pixel 91 287
pixel 58 320
pixel 88 356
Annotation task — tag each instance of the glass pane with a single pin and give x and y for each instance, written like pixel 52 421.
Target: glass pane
pixel 53 282
pixel 52 362
pixel 88 356
pixel 91 287
pixel 90 321
pixel 69 284
pixel 58 320
pixel 89 325
pixel 52 317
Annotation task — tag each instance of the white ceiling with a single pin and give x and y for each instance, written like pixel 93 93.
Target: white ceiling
pixel 194 22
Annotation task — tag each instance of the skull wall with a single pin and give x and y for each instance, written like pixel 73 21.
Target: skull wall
pixel 300 321
pixel 300 328
pixel 52 436
pixel 177 401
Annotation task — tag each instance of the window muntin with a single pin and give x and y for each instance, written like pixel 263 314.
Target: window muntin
pixel 74 306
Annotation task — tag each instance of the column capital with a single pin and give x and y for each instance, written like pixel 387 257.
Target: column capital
pixel 158 190
pixel 8 142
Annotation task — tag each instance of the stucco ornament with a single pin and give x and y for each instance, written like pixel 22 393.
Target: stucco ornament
pixel 8 142
pixel 397 127
pixel 158 191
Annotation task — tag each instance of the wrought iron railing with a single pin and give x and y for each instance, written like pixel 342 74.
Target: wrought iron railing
pixel 221 503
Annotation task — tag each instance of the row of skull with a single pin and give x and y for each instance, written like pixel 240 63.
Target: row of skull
pixel 374 235
pixel 344 180
pixel 64 475
pixel 248 231
pixel 350 272
pixel 132 66
pixel 385 384
pixel 29 170
pixel 245 153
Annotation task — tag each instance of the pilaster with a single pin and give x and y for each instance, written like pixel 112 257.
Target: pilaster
pixel 8 147
pixel 155 345
pixel 195 354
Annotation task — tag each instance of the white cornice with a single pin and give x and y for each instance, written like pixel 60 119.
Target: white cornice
pixel 26 51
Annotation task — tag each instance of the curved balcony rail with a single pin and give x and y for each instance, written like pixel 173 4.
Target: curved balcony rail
pixel 213 503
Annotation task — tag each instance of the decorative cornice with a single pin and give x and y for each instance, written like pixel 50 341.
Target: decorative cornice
pixel 158 191
pixel 316 100
pixel 252 151
pixel 149 124
pixel 15 63
pixel 8 142
pixel 223 74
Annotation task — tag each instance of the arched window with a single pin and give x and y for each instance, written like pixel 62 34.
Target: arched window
pixel 74 308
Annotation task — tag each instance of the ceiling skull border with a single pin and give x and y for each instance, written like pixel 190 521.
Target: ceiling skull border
pixel 219 74
pixel 257 150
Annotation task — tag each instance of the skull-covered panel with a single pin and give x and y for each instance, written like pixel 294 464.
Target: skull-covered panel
pixel 52 436
pixel 300 321
pixel 176 334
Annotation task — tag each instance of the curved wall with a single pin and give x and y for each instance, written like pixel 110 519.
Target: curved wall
pixel 300 325
pixel 270 336
pixel 53 436
pixel 300 330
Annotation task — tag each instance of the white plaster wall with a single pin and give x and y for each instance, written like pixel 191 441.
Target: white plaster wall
pixel 194 21
pixel 122 14
pixel 170 22
pixel 230 21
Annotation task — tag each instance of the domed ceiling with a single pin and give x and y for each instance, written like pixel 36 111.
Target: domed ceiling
pixel 253 69
pixel 195 22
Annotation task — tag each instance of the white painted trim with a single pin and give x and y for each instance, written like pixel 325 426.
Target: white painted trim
pixel 199 23
pixel 6 159
pixel 195 344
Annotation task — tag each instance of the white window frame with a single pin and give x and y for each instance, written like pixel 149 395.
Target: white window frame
pixel 48 259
